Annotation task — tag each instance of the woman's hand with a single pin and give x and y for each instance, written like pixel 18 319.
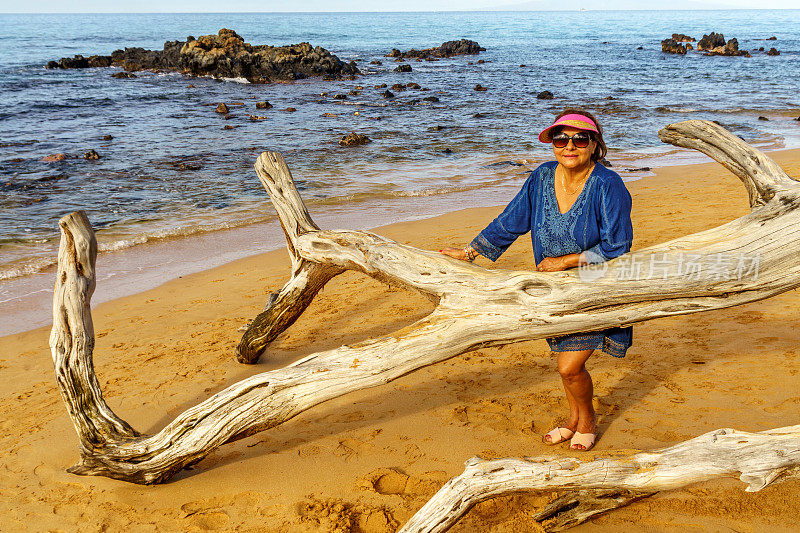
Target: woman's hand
pixel 552 264
pixel 557 264
pixel 455 253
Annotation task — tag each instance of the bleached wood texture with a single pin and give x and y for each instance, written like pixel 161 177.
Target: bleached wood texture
pixel 755 458
pixel 475 307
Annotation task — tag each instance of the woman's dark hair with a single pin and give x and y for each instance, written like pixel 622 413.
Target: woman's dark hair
pixel 600 150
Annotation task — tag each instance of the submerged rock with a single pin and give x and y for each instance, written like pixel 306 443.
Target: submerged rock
pixel 224 55
pixel 54 157
pixel 222 108
pixel 545 95
pixel 387 94
pixel 263 105
pixel 91 155
pixel 354 139
pixel 447 49
pixel 773 52
pixel 403 68
pixel 480 88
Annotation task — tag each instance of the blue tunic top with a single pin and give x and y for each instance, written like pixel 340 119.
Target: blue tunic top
pixel 598 223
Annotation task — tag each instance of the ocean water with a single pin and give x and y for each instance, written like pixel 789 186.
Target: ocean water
pixel 431 153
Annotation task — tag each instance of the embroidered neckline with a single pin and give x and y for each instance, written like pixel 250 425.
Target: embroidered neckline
pixel 580 197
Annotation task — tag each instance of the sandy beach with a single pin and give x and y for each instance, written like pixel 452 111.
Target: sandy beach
pixel 368 460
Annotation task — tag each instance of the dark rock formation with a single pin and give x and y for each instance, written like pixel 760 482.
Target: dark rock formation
pixel 91 155
pixel 671 46
pixel 681 38
pixel 765 119
pixel 108 137
pixel 431 99
pixel 480 88
pixel 290 109
pixel 188 165
pixel 354 139
pixel 340 97
pixel 545 95
pixel 225 55
pixel 222 108
pixel 711 41
pixel 387 94
pixel 689 46
pixel 448 49
pixel 403 68
pixel 773 38
pixel 376 62
pixel 123 75
pixel 381 86
pixel 479 115
pixel 398 87
pixel 263 105
pixel 412 85
pixel 773 52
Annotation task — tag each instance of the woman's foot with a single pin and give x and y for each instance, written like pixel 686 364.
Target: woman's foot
pixel 556 435
pixel 582 441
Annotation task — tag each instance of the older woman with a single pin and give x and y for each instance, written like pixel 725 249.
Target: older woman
pixel 578 212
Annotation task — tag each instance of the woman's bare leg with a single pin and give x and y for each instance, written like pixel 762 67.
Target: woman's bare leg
pixel 579 389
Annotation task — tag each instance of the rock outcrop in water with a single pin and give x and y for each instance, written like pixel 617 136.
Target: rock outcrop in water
pixel 225 55
pixel 713 44
pixel 448 49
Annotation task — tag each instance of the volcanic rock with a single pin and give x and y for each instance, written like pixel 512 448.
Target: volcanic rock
pixel 263 105
pixel 773 38
pixel 91 155
pixel 711 41
pixel 124 75
pixel 448 49
pixel 403 68
pixel 108 137
pixel 431 99
pixel 381 86
pixel 412 85
pixel 222 108
pixel 290 109
pixel 340 97
pixel 545 95
pixel 387 94
pixel 671 46
pixel 224 55
pixel 773 52
pixel 681 38
pixel 399 87
pixel 354 139
pixel 480 88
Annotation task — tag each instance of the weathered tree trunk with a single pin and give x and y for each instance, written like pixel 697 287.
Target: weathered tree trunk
pixel 475 307
pixel 607 483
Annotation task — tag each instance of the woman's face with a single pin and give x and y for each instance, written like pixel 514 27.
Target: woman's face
pixel 571 157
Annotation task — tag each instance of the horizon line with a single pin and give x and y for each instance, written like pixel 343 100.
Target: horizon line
pixel 482 10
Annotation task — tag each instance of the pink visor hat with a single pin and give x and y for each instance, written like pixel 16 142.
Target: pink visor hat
pixel 579 122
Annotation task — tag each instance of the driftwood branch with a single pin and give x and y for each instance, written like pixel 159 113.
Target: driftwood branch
pixel 756 458
pixel 475 307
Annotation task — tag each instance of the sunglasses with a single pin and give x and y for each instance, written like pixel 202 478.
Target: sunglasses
pixel 579 140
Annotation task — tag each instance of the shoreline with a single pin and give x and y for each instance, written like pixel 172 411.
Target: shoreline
pixel 373 457
pixel 27 299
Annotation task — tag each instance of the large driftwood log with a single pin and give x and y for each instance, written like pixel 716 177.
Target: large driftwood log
pixel 607 483
pixel 475 307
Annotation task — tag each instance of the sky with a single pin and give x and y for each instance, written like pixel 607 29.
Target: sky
pixel 231 6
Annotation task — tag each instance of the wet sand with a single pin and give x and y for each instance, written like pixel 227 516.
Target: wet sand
pixel 368 460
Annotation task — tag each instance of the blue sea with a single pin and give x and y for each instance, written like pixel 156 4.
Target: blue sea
pixel 469 148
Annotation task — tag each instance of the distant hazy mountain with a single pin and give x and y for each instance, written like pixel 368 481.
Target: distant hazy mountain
pixel 603 5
